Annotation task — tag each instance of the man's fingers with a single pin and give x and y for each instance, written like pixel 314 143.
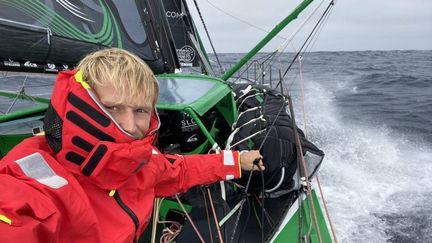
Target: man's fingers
pixel 259 163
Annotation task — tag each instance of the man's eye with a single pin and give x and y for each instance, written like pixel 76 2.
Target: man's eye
pixel 112 108
pixel 141 111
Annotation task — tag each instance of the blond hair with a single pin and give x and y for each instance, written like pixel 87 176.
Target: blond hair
pixel 124 71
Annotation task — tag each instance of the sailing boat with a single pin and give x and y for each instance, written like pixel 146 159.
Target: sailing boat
pixel 200 112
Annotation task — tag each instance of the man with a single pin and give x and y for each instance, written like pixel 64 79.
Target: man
pixel 95 173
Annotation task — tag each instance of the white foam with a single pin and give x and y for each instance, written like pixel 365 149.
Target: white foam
pixel 364 169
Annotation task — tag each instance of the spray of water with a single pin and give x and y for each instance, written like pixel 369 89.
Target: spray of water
pixel 377 182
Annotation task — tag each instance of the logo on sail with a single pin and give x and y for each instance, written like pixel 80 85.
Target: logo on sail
pixel 51 67
pixel 11 63
pixel 175 15
pixel 186 55
pixel 30 64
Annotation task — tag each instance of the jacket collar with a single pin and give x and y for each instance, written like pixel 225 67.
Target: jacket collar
pixel 87 140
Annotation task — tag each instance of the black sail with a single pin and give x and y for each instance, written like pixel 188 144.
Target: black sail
pixel 54 35
pixel 182 29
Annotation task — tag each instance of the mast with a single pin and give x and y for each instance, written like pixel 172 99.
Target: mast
pixel 294 14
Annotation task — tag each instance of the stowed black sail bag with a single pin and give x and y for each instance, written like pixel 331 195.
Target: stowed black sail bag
pixel 263 111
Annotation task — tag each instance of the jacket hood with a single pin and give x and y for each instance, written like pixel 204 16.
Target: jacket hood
pixel 86 139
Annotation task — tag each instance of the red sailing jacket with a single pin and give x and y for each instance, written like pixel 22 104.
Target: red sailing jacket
pixel 87 180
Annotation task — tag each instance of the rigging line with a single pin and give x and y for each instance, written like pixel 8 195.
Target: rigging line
pixel 208 216
pixel 302 97
pixel 242 203
pixel 247 218
pixel 309 36
pixel 299 209
pixel 189 218
pixel 208 36
pixel 327 211
pixel 21 92
pixel 283 46
pixel 215 216
pixel 310 220
pixel 321 27
pixel 262 199
pixel 243 21
pixel 310 43
pixel 306 134
pixel 289 39
pixel 303 167
pixel 299 152
pixel 315 35
pixel 256 214
pixel 155 216
pixel 270 220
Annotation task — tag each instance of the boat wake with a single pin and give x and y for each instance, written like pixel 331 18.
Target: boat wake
pixel 377 182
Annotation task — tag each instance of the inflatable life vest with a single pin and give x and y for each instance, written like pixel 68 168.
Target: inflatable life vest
pixel 263 112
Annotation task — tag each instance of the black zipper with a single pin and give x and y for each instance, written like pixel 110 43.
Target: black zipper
pixel 129 211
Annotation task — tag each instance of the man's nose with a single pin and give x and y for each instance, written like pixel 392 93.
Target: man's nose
pixel 127 122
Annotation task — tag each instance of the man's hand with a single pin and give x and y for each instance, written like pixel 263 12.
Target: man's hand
pixel 247 160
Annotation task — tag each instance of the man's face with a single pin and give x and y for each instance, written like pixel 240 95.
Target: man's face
pixel 132 117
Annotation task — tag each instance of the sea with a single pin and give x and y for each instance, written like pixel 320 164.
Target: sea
pixel 371 113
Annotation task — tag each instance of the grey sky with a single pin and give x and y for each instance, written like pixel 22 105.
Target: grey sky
pixel 353 24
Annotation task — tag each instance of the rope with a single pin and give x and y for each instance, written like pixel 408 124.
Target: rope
pixel 190 219
pixel 208 35
pixel 243 21
pixel 270 220
pixel 215 216
pixel 169 234
pixel 208 217
pixel 155 219
pixel 256 161
pixel 306 135
pixel 327 211
pixel 302 96
pixel 308 38
pixel 241 205
pixel 21 92
pixel 303 166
